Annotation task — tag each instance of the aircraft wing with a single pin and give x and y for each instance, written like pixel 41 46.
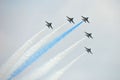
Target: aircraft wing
pixel 51 27
pixel 88 21
pixel 91 37
pixel 82 17
pixel 85 32
pixel 73 22
pixel 67 17
pixel 46 22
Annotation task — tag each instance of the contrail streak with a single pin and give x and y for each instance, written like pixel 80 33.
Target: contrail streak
pixel 60 72
pixel 41 51
pixel 32 50
pixel 37 73
pixel 14 58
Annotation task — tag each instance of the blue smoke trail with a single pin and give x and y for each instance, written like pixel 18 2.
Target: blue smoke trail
pixel 43 50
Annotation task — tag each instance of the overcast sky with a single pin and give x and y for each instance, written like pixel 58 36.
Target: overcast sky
pixel 21 19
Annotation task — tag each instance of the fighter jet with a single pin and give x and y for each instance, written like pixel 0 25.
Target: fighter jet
pixel 49 25
pixel 85 19
pixel 70 20
pixel 89 35
pixel 88 50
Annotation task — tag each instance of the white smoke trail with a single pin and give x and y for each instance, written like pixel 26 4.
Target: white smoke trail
pixel 60 72
pixel 32 50
pixel 13 59
pixel 49 65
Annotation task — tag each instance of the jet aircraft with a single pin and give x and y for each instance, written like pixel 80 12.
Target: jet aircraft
pixel 89 35
pixel 70 20
pixel 49 25
pixel 88 50
pixel 85 19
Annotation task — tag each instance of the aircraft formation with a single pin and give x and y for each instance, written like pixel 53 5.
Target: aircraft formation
pixel 70 20
pixel 27 61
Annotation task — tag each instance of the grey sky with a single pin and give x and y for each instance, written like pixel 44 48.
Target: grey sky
pixel 21 19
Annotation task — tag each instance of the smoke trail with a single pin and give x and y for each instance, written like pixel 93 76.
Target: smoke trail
pixel 32 50
pixel 43 50
pixel 13 59
pixel 60 72
pixel 49 65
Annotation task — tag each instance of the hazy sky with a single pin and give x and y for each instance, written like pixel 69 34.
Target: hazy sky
pixel 21 19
